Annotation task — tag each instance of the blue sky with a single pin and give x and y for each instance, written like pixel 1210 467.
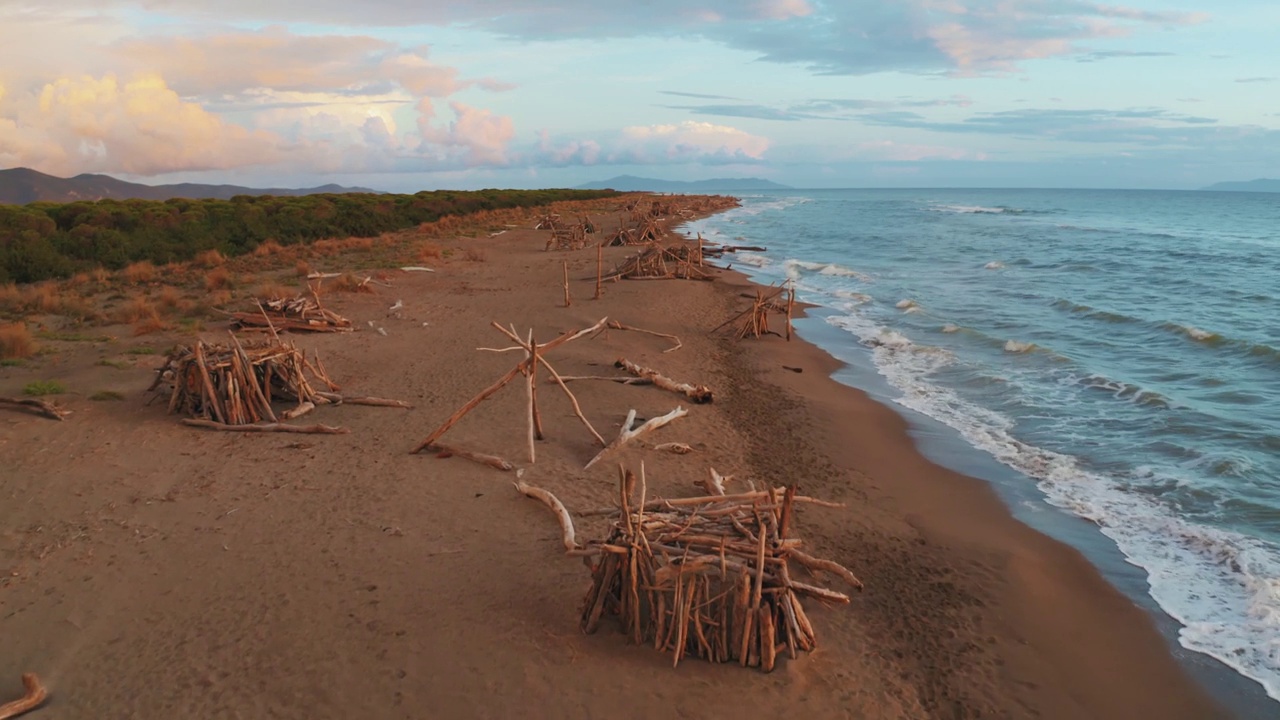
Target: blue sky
pixel 415 94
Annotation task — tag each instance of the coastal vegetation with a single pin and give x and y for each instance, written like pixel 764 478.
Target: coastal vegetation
pixel 42 241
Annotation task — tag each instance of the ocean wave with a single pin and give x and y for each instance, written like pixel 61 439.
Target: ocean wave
pixel 906 304
pixel 794 268
pixel 1250 348
pixel 1223 587
pixel 753 260
pixel 857 297
pixel 993 265
pixel 1093 313
pixel 949 328
pixel 1128 392
pixel 1013 346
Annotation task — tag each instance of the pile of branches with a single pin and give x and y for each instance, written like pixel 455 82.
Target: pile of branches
pixel 679 261
pixel 708 577
pixel 296 313
pixel 234 385
pixel 755 319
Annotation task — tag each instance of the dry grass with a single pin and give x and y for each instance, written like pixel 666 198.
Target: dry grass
pixel 169 297
pixel 100 275
pixel 80 278
pixel 355 243
pixel 219 298
pixel 268 249
pixel 16 342
pixel 428 250
pixel 218 278
pixel 148 325
pixel 475 254
pixel 10 297
pixel 272 290
pixel 327 247
pixel 210 259
pixel 302 269
pixel 139 272
pixel 135 310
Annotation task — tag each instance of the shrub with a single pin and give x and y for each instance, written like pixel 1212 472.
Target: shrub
pixel 272 290
pixel 430 251
pixel 137 309
pixel 475 254
pixel 268 248
pixel 302 269
pixel 148 325
pixel 44 387
pixel 217 279
pixel 210 259
pixel 347 282
pixel 219 298
pixel 139 272
pixel 169 297
pixel 16 342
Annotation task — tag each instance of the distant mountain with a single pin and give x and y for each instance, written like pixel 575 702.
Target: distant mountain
pixel 1260 185
pixel 631 183
pixel 20 186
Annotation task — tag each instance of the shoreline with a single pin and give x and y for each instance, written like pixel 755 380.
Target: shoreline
pixel 158 570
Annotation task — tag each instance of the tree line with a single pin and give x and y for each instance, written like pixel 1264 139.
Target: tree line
pixel 42 240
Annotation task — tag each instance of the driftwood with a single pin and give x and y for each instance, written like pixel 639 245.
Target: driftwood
pixel 697 393
pixel 567 300
pixel 562 514
pixel 680 261
pixel 34 695
pixel 296 313
pixel 619 326
pixel 266 427
pixel 493 461
pixel 599 270
pixel 298 412
pixel 337 399
pixel 674 447
pixel 627 434
pixel 706 577
pixel 535 355
pixel 36 407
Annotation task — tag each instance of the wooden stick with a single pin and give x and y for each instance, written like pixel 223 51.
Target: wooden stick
pixel 674 447
pixel 768 652
pixel 577 410
pixel 791 302
pixel 493 461
pixel 599 268
pixel 619 326
pixel 696 393
pixel 567 300
pixel 620 379
pixel 211 398
pixel 468 407
pixel 557 507
pixel 33 697
pixel 533 386
pixel 266 427
pixel 627 434
pixel 830 566
pixel 37 407
pixel 529 385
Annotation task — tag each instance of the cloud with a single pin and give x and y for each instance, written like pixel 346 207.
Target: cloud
pixel 139 127
pixel 1114 54
pixel 1256 79
pixel 845 37
pixel 699 96
pixel 818 108
pixel 758 112
pixel 689 142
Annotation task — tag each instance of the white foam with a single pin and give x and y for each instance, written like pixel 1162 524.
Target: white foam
pixel 753 260
pixel 1198 334
pixel 905 304
pixel 1222 586
pixel 969 209
pixel 993 265
pixel 858 297
pixel 949 328
pixel 794 267
pixel 1013 346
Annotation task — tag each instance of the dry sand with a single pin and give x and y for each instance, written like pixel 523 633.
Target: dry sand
pixel 151 570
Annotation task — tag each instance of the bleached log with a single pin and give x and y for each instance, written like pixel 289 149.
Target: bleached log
pixel 557 507
pixel 492 461
pixel 266 427
pixel 674 447
pixel 33 697
pixel 696 393
pixel 622 380
pixel 38 407
pixel 627 434
pixel 713 484
pixel 416 268
pixel 362 400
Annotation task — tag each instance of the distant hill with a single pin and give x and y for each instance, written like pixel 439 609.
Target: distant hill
pixel 1260 185
pixel 20 186
pixel 631 183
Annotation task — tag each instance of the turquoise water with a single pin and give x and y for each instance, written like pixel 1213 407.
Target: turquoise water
pixel 1119 349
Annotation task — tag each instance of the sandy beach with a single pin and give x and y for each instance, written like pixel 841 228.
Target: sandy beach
pixel 151 570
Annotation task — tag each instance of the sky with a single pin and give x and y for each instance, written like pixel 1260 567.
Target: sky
pixel 408 95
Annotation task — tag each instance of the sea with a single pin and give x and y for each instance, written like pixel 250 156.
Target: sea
pixel 1110 354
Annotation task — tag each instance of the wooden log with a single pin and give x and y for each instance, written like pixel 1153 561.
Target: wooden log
pixel 361 400
pixel 557 507
pixel 211 398
pixel 35 407
pixel 609 574
pixel 295 413
pixel 768 638
pixel 468 407
pixel 266 427
pixel 696 393
pixel 619 379
pixel 533 387
pixel 577 409
pixel 791 303
pixel 627 434
pixel 34 695
pixel 493 461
